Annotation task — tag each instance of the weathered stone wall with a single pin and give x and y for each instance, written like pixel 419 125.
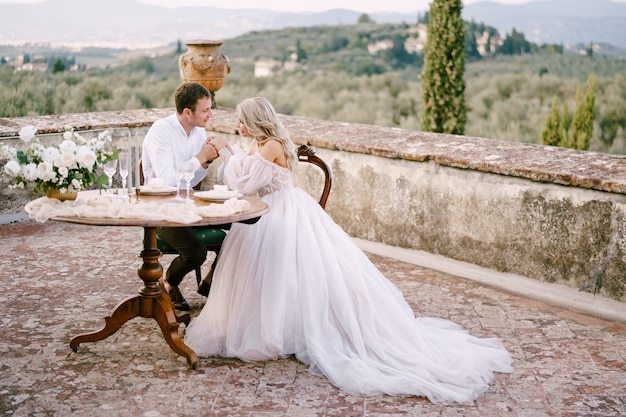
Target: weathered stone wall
pixel 544 231
pixel 551 214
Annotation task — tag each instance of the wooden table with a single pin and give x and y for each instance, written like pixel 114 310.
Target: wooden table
pixel 151 301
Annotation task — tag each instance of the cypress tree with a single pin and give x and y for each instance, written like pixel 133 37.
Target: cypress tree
pixel 556 128
pixel 578 120
pixel 582 124
pixel 590 109
pixel 444 109
pixel 566 123
pixel 551 133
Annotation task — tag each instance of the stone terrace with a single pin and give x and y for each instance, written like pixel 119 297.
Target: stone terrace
pixel 62 279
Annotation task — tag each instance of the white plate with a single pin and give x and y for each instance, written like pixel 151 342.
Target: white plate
pixel 212 195
pixel 157 191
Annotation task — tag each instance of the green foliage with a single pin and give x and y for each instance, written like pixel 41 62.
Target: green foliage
pixel 556 131
pixel 27 93
pixel 58 66
pixel 471 47
pixel 508 97
pixel 551 48
pixel 397 56
pixel 143 64
pixel 443 80
pixel 551 133
pixel 582 124
pixel 300 52
pixel 515 44
pixel 327 48
pixel 365 18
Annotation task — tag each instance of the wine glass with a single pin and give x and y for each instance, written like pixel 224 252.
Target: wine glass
pixel 109 169
pixel 188 173
pixel 123 157
pixel 178 169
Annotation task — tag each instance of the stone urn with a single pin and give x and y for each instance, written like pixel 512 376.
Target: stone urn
pixel 203 63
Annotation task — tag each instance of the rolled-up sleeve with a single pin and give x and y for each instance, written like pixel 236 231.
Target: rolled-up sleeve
pixel 165 142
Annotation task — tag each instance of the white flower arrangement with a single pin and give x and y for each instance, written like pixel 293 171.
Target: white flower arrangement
pixel 71 165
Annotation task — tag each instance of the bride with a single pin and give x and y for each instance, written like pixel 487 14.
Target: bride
pixel 295 283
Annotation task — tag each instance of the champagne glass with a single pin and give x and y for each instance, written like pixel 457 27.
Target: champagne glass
pixel 109 169
pixel 123 168
pixel 178 169
pixel 188 173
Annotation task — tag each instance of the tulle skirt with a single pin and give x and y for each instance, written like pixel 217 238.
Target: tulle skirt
pixel 295 283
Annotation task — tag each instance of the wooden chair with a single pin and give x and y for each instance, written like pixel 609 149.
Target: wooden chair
pixel 212 237
pixel 307 154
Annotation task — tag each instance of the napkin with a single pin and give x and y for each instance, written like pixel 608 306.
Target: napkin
pixel 230 206
pixel 157 184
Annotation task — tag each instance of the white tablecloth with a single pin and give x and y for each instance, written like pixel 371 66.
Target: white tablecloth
pixel 44 209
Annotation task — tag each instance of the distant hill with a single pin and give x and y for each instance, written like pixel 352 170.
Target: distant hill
pixel 556 21
pixel 128 23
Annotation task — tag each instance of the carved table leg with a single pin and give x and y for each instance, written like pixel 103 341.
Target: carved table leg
pixel 125 311
pixel 151 302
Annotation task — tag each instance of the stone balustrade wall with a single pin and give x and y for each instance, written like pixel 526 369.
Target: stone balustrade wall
pixel 551 214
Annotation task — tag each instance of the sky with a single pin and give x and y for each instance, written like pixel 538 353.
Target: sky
pixel 364 6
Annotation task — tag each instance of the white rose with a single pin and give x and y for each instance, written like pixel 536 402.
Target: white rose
pixel 96 144
pixel 7 152
pixel 50 154
pixel 67 135
pixel 67 146
pixel 38 148
pixel 45 171
pixel 12 168
pixel 105 136
pixel 63 171
pixel 66 159
pixel 29 171
pixel 76 185
pixel 85 157
pixel 27 133
pixel 79 139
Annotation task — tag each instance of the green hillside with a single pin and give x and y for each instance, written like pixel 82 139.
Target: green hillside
pixel 327 72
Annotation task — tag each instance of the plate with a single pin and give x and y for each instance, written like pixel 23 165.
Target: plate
pixel 214 196
pixel 157 191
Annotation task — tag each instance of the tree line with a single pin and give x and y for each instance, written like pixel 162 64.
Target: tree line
pixel 507 97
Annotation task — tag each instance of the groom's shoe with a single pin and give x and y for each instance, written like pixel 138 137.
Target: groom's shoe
pixel 205 285
pixel 177 297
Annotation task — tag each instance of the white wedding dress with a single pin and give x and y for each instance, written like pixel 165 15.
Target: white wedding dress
pixel 296 283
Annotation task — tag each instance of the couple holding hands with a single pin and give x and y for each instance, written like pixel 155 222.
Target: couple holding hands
pixel 295 283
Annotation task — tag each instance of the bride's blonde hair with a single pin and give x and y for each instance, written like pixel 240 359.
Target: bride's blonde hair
pixel 259 116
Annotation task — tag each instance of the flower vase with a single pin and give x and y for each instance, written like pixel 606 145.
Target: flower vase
pixel 203 63
pixel 56 193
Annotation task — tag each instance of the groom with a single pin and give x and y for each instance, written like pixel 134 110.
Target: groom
pixel 182 136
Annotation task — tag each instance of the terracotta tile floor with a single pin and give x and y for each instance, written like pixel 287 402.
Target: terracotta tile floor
pixel 61 279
